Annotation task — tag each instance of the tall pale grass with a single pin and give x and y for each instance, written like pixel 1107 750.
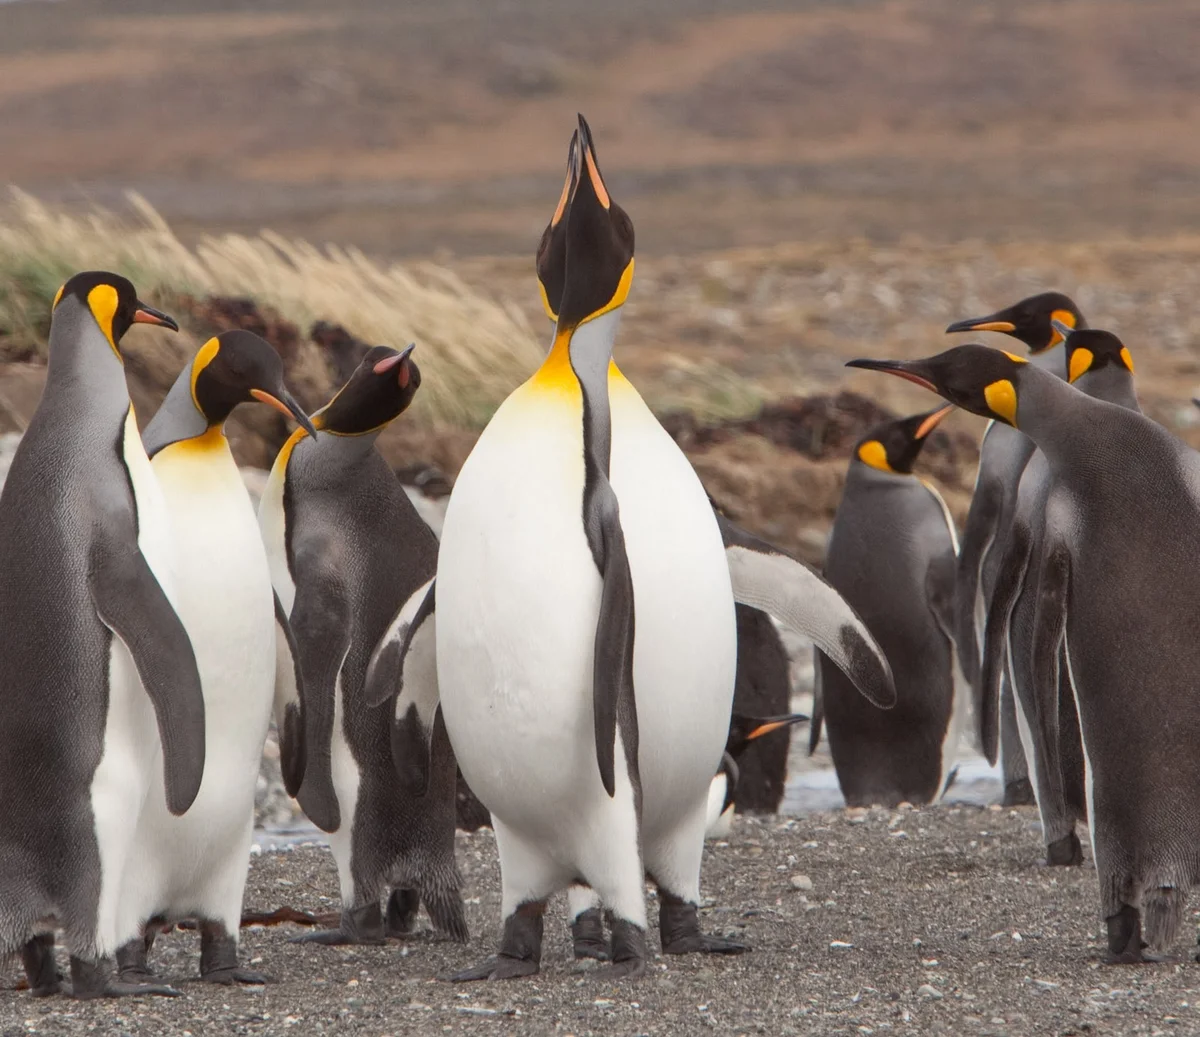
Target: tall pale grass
pixel 472 350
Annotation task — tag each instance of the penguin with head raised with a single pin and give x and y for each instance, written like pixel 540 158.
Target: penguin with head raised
pixel 582 581
pixel 1122 522
pixel 1003 455
pixel 346 549
pixel 195 866
pixel 94 654
pixel 1099 364
pixel 891 555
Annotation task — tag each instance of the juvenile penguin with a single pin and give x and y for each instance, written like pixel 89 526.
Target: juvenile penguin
pixel 1003 455
pixel 891 555
pixel 346 549
pixel 195 866
pixel 1122 523
pixel 94 652
pixel 1099 364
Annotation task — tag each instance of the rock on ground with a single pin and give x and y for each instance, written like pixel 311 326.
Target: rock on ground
pixel 957 904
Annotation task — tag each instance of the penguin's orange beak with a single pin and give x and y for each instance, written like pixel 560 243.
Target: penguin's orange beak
pixel 931 422
pixel 144 314
pixel 286 404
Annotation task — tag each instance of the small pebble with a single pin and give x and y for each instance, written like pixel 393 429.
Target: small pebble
pixel 802 882
pixel 931 992
pixel 840 945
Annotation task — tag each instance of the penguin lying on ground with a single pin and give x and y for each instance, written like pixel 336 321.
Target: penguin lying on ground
pixel 562 417
pixel 1003 455
pixel 346 548
pixel 1098 364
pixel 94 652
pixel 195 866
pixel 1122 530
pixel 891 555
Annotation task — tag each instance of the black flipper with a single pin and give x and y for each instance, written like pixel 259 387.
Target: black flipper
pixel 766 578
pixel 978 538
pixel 1013 565
pixel 385 672
pixel 612 675
pixel 940 587
pixel 411 658
pixel 289 703
pixel 321 624
pixel 130 601
pixel 818 710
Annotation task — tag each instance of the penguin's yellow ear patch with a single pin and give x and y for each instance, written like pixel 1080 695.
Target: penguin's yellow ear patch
pixel 873 453
pixel 203 358
pixel 1001 397
pixel 1127 358
pixel 1081 363
pixel 1014 358
pixel 57 297
pixel 1063 317
pixel 103 302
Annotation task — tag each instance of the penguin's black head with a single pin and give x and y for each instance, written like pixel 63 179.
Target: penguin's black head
pixel 598 244
pixel 978 379
pixel 239 367
pixel 1029 320
pixel 894 445
pixel 745 729
pixel 113 302
pixel 380 390
pixel 552 250
pixel 1090 349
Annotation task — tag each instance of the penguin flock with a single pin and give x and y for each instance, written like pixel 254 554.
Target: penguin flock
pixel 570 644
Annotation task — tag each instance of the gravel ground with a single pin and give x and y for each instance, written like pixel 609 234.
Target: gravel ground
pixel 924 921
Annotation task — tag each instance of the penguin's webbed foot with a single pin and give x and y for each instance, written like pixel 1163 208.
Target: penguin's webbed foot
pixel 587 935
pixel 1065 852
pixel 228 977
pixel 41 970
pixel 679 930
pixel 219 958
pixel 1125 943
pixel 520 947
pixel 499 967
pixel 91 980
pixel 628 952
pixel 359 925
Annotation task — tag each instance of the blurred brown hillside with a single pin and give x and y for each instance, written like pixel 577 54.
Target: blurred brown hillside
pixel 442 124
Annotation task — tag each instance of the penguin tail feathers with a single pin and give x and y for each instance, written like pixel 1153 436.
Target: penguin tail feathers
pixel 444 904
pixel 1162 914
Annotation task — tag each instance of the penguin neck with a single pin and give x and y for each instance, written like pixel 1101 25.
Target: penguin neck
pixel 1052 413
pixel 179 419
pixel 81 362
pixel 348 449
pixel 1052 359
pixel 1111 383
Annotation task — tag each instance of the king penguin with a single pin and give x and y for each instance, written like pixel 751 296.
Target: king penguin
pixel 891 555
pixel 1122 523
pixel 94 651
pixel 763 578
pixel 744 732
pixel 1003 455
pixel 195 866
pixel 1099 364
pixel 346 549
pixel 574 513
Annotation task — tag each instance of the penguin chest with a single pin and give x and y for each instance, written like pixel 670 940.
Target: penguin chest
pixel 224 599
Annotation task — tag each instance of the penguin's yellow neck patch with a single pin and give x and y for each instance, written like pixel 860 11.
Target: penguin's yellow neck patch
pixel 556 374
pixel 546 303
pixel 204 445
pixel 1001 398
pixel 873 453
pixel 103 302
pixel 285 451
pixel 1081 363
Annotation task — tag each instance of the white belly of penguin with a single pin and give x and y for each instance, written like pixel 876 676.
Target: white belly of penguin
pixel 518 600
pixel 196 864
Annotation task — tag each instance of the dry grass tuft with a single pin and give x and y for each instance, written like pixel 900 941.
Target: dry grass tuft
pixel 472 350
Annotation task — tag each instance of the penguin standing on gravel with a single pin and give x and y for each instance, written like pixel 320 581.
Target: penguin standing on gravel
pixel 195 866
pixel 346 548
pixel 1099 364
pixel 1122 523
pixel 891 555
pixel 581 560
pixel 94 652
pixel 1003 455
